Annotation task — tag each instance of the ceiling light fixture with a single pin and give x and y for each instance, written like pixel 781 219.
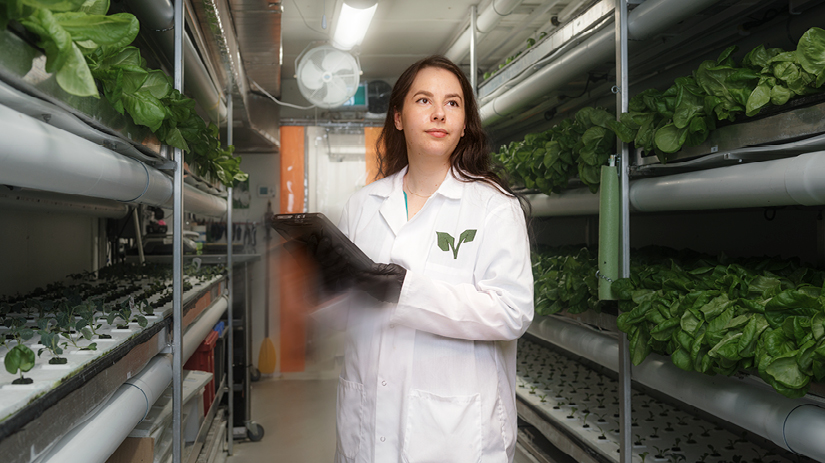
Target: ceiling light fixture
pixel 353 22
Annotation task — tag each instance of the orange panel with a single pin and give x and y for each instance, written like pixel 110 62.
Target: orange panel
pixel 290 271
pixel 371 135
pixel 292 169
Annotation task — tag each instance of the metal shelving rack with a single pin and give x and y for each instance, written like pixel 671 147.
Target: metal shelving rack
pixel 95 120
pixel 723 148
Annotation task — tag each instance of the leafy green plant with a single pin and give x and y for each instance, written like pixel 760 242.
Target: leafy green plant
pixel 20 358
pixel 50 339
pixel 719 316
pixel 82 43
pixel 18 330
pixel 662 122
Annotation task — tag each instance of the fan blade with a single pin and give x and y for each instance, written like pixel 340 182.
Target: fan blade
pixel 311 76
pixel 335 62
pixel 336 93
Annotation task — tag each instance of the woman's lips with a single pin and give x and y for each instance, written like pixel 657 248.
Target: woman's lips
pixel 438 133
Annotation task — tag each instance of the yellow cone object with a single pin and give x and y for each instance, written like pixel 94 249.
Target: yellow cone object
pixel 267 357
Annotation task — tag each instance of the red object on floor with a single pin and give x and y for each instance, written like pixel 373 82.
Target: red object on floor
pixel 204 360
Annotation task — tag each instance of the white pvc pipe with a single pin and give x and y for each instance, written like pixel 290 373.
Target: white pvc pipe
pixel 798 180
pixel 651 17
pixel 53 203
pixel 200 203
pixel 487 21
pixel 98 437
pixel 793 424
pixel 39 156
pixel 202 326
pixel 572 202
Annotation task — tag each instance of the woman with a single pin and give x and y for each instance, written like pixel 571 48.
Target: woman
pixel 429 373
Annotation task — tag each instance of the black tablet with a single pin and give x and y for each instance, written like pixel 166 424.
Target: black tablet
pixel 301 226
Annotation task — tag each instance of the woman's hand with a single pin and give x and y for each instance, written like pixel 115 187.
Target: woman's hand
pixel 381 281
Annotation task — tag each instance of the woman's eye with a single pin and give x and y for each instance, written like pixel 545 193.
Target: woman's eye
pixel 454 103
pixel 423 100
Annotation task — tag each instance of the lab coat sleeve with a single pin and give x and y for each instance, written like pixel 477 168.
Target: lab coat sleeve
pixel 499 306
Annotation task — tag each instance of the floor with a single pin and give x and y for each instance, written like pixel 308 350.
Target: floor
pixel 298 417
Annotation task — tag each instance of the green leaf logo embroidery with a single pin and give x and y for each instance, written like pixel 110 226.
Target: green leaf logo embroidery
pixel 446 242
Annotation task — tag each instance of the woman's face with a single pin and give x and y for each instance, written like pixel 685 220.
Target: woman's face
pixel 432 117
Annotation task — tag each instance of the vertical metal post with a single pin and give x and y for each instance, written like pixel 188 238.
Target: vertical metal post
pixel 177 261
pixel 473 62
pixel 230 239
pixel 625 453
pixel 247 332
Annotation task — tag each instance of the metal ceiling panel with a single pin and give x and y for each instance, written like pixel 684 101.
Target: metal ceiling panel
pixel 258 28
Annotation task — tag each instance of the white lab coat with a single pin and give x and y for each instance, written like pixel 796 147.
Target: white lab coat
pixel 432 378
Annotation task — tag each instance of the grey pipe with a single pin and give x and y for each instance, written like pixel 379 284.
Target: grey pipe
pixel 794 424
pixel 651 17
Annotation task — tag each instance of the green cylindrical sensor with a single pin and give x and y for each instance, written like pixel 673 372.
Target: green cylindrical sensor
pixel 608 232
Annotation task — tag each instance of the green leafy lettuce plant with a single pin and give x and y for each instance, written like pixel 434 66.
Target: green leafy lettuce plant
pixel 83 44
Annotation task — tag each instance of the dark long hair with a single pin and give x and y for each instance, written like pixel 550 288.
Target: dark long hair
pixel 470 161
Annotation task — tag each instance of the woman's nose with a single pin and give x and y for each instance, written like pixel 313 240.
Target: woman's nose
pixel 438 115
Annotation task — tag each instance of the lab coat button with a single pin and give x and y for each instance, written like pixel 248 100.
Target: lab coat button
pixel 392 326
pixel 383 383
pixel 383 438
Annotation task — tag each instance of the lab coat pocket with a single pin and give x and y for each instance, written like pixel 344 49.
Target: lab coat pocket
pixel 349 417
pixel 441 429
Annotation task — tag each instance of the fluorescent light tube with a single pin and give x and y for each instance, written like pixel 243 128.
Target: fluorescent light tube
pixel 352 26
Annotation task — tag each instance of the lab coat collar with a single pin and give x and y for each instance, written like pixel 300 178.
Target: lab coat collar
pixel 394 210
pixel 451 187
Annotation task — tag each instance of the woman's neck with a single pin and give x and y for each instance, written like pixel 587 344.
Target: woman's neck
pixel 424 178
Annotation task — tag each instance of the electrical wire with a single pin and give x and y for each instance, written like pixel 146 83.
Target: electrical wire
pixel 304 19
pixel 290 105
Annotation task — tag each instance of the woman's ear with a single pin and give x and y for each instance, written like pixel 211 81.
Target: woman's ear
pixel 462 129
pixel 397 119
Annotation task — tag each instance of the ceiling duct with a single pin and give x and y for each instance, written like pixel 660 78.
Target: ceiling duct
pixel 254 58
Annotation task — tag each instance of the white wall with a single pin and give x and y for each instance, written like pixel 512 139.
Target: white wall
pixel 263 170
pixel 40 248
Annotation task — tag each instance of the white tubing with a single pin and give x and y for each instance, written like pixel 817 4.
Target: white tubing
pixel 202 326
pixel 43 201
pixel 651 17
pixel 793 181
pixel 96 439
pixel 99 436
pixel 39 156
pixel 793 424
pixel 487 20
pixel 572 202
pixel 201 203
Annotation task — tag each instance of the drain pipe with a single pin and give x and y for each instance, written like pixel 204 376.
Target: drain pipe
pixel 130 403
pixel 487 21
pixel 39 156
pixel 796 425
pixel 649 18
